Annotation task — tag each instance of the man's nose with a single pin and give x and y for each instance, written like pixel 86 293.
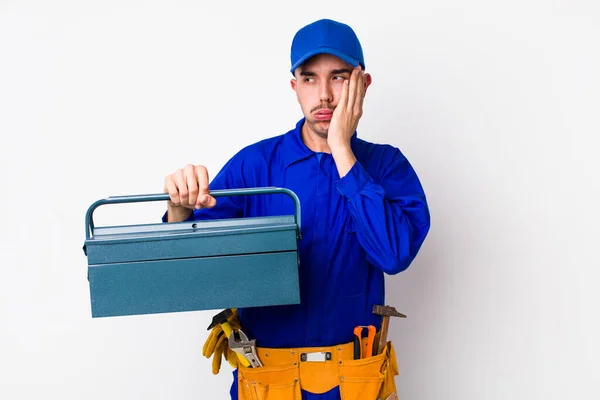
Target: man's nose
pixel 325 93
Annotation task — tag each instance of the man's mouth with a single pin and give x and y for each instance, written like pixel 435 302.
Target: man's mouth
pixel 323 114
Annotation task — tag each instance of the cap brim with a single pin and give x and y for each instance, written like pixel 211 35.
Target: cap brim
pixel 325 50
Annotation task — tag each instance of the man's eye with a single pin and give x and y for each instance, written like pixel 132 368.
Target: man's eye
pixel 307 79
pixel 339 78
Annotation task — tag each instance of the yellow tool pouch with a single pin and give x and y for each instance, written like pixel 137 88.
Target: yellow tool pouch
pixel 286 372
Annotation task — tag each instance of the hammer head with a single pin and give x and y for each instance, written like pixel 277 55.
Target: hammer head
pixel 387 311
pixel 220 318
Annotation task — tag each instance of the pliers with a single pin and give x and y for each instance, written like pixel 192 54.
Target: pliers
pixel 366 350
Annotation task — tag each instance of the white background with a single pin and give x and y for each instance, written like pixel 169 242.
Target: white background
pixel 494 103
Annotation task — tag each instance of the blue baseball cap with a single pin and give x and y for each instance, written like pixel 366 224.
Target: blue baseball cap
pixel 326 36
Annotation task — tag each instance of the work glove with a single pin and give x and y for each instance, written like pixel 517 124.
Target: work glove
pixel 217 345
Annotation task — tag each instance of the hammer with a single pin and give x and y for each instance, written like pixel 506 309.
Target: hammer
pixel 386 312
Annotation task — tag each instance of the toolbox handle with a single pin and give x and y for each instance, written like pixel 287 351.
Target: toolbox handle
pixel 137 198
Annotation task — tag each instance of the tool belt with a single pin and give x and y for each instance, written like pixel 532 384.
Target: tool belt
pixel 285 372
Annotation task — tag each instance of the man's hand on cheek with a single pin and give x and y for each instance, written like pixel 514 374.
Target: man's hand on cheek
pixel 348 111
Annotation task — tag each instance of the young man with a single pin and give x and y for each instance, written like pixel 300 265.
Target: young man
pixel 364 215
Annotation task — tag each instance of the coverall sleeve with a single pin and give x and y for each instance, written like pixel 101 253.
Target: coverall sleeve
pixel 391 214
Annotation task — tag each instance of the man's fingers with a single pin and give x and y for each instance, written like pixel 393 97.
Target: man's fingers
pixel 171 188
pixel 181 185
pixel 343 97
pixel 202 174
pixel 192 185
pixel 361 89
pixel 352 90
pixel 188 187
pixel 206 201
pixel 203 196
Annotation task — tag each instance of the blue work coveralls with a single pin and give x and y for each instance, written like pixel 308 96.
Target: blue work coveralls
pixel 371 222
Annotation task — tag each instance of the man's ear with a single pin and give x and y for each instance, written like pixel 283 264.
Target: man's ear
pixel 368 80
pixel 293 83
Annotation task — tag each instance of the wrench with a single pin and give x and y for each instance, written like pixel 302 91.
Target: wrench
pixel 245 347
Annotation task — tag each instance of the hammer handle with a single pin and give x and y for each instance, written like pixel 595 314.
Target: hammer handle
pixel 383 334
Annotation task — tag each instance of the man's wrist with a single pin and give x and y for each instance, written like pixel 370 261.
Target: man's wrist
pixel 178 214
pixel 344 158
pixel 340 148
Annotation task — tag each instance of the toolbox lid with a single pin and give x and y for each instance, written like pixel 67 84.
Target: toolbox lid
pixel 175 230
pixel 204 238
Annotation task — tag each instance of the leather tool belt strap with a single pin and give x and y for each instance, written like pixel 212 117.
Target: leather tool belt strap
pixel 285 372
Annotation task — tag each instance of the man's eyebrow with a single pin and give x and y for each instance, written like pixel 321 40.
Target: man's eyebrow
pixel 341 71
pixel 333 72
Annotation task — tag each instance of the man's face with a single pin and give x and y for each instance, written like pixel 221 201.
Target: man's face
pixel 318 85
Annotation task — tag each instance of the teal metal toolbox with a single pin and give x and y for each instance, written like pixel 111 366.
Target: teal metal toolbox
pixel 193 265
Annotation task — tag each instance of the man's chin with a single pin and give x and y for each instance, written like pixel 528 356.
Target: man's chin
pixel 321 128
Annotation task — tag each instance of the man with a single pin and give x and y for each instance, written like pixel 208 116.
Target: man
pixel 364 214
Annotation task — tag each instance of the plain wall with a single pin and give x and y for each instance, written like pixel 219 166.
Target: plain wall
pixel 494 103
